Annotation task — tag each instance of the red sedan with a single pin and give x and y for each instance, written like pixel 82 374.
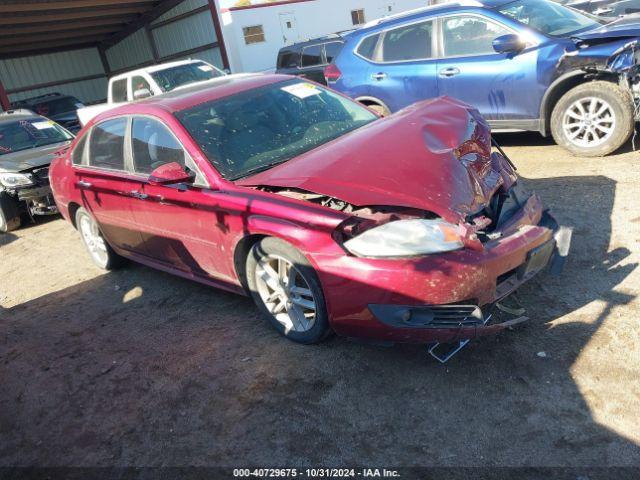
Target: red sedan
pixel 398 229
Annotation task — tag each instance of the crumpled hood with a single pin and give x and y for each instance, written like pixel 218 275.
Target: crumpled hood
pixel 28 159
pixel 625 27
pixel 409 159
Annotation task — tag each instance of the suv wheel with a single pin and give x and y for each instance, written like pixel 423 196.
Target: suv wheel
pixel 593 119
pixel 100 251
pixel 9 213
pixel 287 290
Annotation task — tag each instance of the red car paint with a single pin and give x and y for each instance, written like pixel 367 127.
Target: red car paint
pixel 434 156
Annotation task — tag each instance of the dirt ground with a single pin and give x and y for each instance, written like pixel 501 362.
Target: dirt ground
pixel 137 367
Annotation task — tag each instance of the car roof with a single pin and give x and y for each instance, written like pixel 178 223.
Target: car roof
pixel 155 68
pixel 437 8
pixel 334 37
pixel 203 92
pixel 4 118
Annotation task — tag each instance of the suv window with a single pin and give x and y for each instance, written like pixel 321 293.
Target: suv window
pixel 119 90
pixel 470 35
pixel 332 49
pixel 367 47
pixel 411 42
pixel 106 147
pixel 78 152
pixel 288 59
pixel 154 145
pixel 312 56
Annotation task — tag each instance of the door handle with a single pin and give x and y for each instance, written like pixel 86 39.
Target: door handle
pixel 449 72
pixel 138 195
pixel 83 184
pixel 379 76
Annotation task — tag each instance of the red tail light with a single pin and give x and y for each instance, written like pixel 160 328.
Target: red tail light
pixel 332 73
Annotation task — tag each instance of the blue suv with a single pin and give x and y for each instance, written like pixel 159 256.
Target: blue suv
pixel 525 65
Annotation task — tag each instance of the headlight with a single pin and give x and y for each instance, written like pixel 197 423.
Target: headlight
pixel 405 238
pixel 15 179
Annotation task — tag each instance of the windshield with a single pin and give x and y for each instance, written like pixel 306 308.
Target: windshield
pixel 30 133
pixel 57 106
pixel 549 18
pixel 255 130
pixel 174 77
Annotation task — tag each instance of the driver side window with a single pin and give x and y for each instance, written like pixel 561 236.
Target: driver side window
pixel 153 145
pixel 467 35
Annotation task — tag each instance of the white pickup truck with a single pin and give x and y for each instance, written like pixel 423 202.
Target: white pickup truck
pixel 149 81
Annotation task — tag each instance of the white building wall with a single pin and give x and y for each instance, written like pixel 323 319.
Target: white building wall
pixel 312 19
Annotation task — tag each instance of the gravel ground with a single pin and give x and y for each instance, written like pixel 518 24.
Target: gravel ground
pixel 137 367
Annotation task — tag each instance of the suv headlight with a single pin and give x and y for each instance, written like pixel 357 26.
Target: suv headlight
pixel 406 238
pixel 15 179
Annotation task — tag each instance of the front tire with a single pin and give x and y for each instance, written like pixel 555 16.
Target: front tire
pixel 287 290
pixel 99 250
pixel 593 119
pixel 9 213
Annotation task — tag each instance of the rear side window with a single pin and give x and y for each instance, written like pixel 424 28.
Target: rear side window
pixel 470 35
pixel 154 146
pixel 139 83
pixel 78 152
pixel 332 50
pixel 412 42
pixel 312 56
pixel 367 47
pixel 288 59
pixel 106 147
pixel 119 90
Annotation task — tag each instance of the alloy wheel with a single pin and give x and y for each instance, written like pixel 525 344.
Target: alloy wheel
pixel 589 122
pixel 286 293
pixel 93 240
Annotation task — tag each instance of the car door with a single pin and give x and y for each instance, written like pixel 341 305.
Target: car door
pixel 503 87
pixel 105 184
pixel 182 224
pixel 403 70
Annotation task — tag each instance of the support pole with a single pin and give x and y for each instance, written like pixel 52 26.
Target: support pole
pixel 152 43
pixel 4 98
pixel 218 29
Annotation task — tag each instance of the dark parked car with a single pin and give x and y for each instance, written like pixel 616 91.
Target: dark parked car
pixel 60 108
pixel 28 143
pixel 406 228
pixel 525 65
pixel 308 59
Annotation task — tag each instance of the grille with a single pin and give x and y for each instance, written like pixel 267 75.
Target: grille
pixel 435 316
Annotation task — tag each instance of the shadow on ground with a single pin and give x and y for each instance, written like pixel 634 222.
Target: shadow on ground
pixel 137 367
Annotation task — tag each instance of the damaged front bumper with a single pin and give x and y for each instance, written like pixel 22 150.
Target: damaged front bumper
pixel 625 62
pixel 440 298
pixel 36 200
pixel 452 327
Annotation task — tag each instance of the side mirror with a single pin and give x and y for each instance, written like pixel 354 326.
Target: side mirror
pixel 509 44
pixel 142 93
pixel 170 173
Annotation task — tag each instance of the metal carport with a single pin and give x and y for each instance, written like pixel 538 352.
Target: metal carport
pixel 77 44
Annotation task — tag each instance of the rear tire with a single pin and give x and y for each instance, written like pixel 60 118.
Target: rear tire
pixel 99 250
pixel 9 213
pixel 287 290
pixel 593 119
pixel 379 108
